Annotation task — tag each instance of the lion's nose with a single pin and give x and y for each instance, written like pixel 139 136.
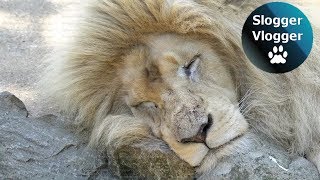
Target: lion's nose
pixel 200 137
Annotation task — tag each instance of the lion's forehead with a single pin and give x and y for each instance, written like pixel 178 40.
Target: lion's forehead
pixel 150 70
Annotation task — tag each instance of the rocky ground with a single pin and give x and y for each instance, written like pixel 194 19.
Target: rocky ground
pixel 37 144
pixel 43 148
pixel 49 148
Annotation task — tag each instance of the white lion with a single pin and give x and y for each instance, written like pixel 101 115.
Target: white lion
pixel 175 70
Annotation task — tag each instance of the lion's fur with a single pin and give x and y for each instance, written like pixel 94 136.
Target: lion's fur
pixel 84 77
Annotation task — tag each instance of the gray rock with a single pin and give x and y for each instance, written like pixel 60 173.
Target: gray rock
pixel 264 160
pixel 49 148
pixel 43 148
pixel 10 105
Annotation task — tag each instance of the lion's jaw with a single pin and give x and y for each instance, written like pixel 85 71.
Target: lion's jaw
pixel 178 85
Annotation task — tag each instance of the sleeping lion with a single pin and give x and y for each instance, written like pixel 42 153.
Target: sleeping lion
pixel 175 70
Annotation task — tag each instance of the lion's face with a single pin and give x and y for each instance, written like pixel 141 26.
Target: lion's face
pixel 180 87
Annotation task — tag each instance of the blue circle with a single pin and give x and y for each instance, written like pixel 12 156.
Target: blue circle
pixel 277 37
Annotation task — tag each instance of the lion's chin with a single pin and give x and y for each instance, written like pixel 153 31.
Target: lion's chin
pixel 192 153
pixel 218 135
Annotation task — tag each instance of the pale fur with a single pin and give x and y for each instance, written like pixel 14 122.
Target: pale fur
pixel 84 78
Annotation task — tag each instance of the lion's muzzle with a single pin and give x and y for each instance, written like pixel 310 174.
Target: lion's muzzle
pixel 201 136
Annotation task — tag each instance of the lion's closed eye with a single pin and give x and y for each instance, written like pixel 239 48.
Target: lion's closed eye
pixel 146 104
pixel 190 64
pixel 191 68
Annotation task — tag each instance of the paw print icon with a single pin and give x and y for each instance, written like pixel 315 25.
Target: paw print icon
pixel 278 55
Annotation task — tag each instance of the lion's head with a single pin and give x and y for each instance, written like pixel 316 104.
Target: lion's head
pixel 184 91
pixel 171 63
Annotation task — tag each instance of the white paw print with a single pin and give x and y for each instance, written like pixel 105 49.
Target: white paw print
pixel 278 58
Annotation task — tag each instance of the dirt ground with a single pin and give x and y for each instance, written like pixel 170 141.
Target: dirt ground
pixel 25 39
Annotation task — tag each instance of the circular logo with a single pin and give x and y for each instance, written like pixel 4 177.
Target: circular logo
pixel 277 37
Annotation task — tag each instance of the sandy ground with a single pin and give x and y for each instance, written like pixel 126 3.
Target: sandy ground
pixel 25 39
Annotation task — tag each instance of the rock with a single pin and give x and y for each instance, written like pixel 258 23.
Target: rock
pixel 151 160
pixel 264 160
pixel 10 105
pixel 49 148
pixel 43 148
